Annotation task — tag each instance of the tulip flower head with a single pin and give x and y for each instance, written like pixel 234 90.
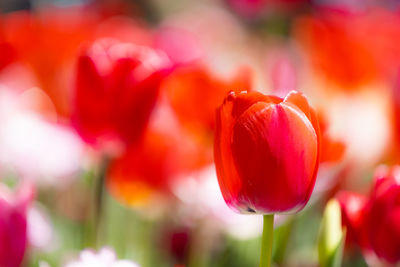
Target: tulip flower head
pixel 372 222
pixel 266 152
pixel 117 85
pixel 384 215
pixel 354 209
pixel 13 225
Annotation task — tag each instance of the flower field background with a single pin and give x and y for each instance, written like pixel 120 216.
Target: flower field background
pixel 146 133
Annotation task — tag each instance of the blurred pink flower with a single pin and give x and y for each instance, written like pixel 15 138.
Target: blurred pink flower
pixel 283 75
pixel 104 258
pixel 41 235
pixel 180 45
pixel 13 232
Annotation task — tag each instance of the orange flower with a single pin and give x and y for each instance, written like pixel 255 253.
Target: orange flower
pixel 195 93
pixel 331 150
pixel 335 51
pixel 47 42
pixel 152 167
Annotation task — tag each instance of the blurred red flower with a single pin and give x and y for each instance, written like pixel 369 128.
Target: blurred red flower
pixel 373 222
pixel 47 42
pixel 353 207
pixel 266 152
pixel 117 85
pixel 7 51
pixel 142 171
pixel 153 166
pixel 383 218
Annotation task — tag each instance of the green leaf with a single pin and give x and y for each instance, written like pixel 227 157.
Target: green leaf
pixel 331 237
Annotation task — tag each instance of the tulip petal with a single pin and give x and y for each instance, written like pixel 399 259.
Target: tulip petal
pixel 300 101
pixel 244 100
pixel 275 150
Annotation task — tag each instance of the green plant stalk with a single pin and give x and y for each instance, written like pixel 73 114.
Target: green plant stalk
pixel 99 202
pixel 266 240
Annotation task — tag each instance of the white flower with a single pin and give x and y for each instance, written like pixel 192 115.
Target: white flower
pixel 46 152
pixel 104 258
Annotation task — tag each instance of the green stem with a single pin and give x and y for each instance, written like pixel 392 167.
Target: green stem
pixel 266 241
pixel 98 201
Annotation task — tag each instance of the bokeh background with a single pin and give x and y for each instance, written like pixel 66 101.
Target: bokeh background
pixel 83 169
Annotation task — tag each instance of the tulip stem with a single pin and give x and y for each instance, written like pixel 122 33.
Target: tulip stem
pixel 99 201
pixel 266 240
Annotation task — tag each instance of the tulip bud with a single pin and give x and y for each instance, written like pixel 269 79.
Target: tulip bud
pixel 13 225
pixel 384 216
pixel 116 88
pixel 354 209
pixel 266 152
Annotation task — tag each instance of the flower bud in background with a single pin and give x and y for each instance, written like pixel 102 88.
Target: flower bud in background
pixel 13 225
pixel 117 85
pixel 353 208
pixel 373 222
pixel 266 152
pixel 175 242
pixel 384 215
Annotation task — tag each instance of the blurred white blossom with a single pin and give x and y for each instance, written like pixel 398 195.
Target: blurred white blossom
pixel 32 146
pixel 104 258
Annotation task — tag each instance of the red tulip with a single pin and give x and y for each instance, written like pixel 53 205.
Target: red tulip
pixel 354 210
pixel 13 235
pixel 373 221
pixel 266 152
pixel 117 85
pixel 384 216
